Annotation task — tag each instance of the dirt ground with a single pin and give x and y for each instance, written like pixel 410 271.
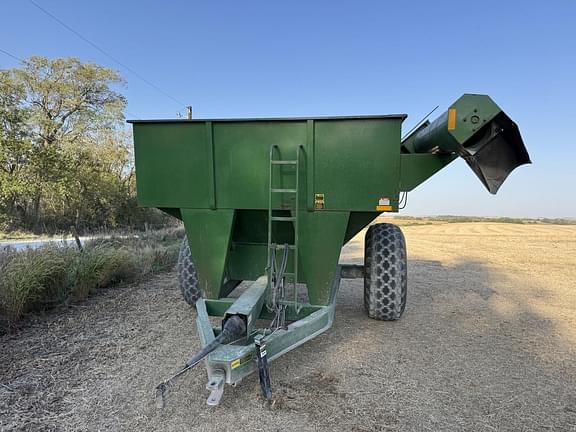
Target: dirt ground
pixel 487 342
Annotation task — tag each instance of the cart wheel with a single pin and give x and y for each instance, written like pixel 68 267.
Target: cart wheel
pixel 187 275
pixel 385 272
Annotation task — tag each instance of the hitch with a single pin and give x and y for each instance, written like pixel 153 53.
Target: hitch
pixel 235 353
pixel 233 328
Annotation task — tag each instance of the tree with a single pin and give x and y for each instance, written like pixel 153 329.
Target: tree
pixel 69 100
pixel 15 147
pixel 53 117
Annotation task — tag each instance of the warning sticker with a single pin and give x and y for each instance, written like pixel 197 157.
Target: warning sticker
pixel 384 201
pixel 384 204
pixel 238 362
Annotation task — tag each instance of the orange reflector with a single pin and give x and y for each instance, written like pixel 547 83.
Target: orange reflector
pixel 384 208
pixel 452 119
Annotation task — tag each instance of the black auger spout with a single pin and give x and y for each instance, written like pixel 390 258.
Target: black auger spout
pixel 477 130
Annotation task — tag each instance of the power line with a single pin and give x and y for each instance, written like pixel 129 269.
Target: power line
pixel 11 55
pixel 88 41
pixel 134 116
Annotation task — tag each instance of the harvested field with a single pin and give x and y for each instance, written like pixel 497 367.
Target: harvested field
pixel 488 342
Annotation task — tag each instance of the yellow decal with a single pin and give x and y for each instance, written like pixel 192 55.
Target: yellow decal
pixel 319 201
pixel 452 119
pixel 383 208
pixel 235 364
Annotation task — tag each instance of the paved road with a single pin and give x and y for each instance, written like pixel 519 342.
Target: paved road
pixel 35 244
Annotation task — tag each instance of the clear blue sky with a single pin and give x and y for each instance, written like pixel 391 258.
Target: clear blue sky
pixel 271 58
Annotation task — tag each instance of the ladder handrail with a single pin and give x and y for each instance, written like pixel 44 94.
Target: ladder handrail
pixel 268 262
pixel 297 306
pixel 294 219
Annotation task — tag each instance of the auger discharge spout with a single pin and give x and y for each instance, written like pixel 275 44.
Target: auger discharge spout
pixel 476 129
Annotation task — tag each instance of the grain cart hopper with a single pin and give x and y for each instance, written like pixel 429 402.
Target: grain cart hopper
pixel 274 200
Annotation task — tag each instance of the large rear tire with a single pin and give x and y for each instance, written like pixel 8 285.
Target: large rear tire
pixel 385 272
pixel 187 276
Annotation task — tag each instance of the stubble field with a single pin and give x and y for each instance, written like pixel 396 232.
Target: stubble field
pixel 487 342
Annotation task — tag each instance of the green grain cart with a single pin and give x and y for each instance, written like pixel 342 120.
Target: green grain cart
pixel 274 200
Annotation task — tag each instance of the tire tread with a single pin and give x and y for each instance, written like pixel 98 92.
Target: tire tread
pixel 385 267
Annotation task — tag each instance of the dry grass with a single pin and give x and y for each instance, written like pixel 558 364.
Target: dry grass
pixel 42 278
pixel 488 342
pixel 29 277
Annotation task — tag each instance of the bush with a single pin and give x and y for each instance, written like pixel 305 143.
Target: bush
pixel 48 276
pixel 31 277
pixel 100 267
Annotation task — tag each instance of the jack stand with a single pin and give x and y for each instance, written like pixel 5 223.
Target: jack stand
pixel 263 370
pixel 216 386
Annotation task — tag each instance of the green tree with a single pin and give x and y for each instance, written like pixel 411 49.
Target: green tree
pixel 15 149
pixel 54 116
pixel 69 100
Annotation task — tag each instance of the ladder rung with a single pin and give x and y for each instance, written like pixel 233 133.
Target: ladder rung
pixel 284 162
pixel 286 274
pixel 283 218
pixel 286 302
pixel 281 247
pixel 283 190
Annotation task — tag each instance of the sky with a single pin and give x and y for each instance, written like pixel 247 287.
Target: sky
pixel 313 58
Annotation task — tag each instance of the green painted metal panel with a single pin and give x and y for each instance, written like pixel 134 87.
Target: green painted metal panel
pixel 417 168
pixel 225 164
pixel 308 178
pixel 321 239
pixel 242 155
pixel 198 166
pixel 468 115
pixel 172 165
pixel 251 226
pixel 210 165
pixel 248 253
pixel 247 261
pixel 209 233
pixel 357 162
pixel 322 235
